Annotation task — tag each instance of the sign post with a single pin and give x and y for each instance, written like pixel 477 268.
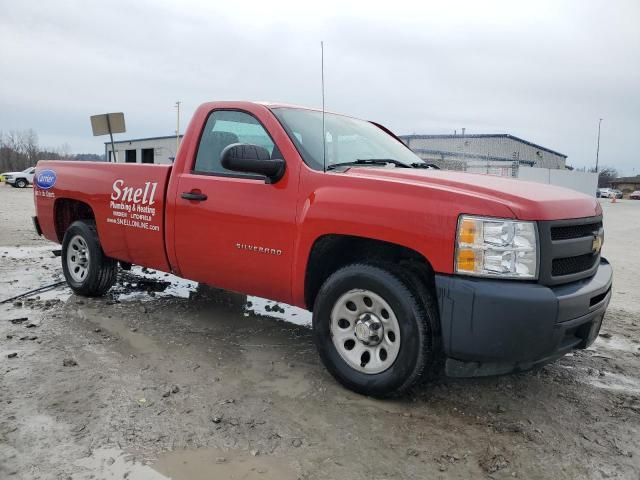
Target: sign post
pixel 108 123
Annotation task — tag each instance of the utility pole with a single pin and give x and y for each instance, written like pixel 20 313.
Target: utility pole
pixel 177 126
pixel 113 148
pixel 598 149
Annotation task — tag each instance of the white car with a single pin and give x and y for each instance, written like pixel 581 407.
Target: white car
pixel 609 193
pixel 604 193
pixel 20 179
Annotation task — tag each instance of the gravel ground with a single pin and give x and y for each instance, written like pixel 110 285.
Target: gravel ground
pixel 164 378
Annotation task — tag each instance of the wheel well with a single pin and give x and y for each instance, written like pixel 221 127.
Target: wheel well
pixel 67 211
pixel 332 252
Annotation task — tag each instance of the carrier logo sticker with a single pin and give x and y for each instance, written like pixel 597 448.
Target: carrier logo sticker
pixel 46 179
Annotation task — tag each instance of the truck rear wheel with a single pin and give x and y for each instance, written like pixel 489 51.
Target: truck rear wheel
pixel 373 331
pixel 88 271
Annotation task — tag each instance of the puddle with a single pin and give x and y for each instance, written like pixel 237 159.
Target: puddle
pixel 28 252
pixel 138 341
pixel 201 464
pixel 390 406
pixel 610 381
pixel 173 286
pixel 207 464
pixel 113 463
pixel 135 285
pixel 19 277
pixel 616 382
pixel 291 314
pixel 615 343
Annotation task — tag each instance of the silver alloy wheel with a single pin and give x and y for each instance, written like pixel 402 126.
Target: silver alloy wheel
pixel 365 331
pixel 78 258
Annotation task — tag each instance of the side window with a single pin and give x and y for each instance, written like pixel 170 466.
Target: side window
pixel 223 128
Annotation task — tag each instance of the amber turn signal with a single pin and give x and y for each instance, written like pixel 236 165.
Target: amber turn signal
pixel 466 260
pixel 468 230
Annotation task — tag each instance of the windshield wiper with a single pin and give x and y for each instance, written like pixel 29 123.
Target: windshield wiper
pixel 425 165
pixel 369 161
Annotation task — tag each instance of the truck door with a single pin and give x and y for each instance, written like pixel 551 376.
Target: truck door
pixel 233 230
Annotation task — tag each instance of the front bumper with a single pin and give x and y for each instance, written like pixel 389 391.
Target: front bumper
pixel 491 327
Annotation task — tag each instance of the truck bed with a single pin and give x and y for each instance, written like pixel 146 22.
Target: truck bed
pixel 128 202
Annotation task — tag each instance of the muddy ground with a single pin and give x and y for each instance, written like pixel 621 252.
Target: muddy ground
pixel 167 379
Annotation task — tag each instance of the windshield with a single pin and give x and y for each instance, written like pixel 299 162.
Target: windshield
pixel 347 139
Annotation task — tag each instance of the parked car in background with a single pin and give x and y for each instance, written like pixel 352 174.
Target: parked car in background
pixel 635 195
pixel 608 193
pixel 20 179
pixel 603 192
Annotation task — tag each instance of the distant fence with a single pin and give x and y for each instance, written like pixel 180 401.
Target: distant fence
pixel 502 169
pixel 490 167
pixel 585 182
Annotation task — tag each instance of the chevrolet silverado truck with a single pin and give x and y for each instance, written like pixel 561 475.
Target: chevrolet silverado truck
pixel 407 269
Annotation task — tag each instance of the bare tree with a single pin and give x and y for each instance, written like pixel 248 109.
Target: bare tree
pixel 11 150
pixel 64 151
pixel 20 150
pixel 605 175
pixel 30 140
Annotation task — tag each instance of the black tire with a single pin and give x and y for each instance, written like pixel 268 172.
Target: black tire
pixel 417 319
pixel 21 183
pixel 101 271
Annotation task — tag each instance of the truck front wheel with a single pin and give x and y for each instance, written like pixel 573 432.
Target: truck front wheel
pixel 88 271
pixel 373 330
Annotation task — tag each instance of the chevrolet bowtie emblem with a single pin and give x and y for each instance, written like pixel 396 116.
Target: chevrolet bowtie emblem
pixel 597 244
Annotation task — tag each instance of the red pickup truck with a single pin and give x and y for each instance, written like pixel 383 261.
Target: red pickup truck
pixel 403 266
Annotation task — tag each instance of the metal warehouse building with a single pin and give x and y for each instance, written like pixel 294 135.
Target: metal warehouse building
pixel 498 154
pixel 161 150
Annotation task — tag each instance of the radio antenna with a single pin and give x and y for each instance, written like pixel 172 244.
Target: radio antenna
pixel 324 133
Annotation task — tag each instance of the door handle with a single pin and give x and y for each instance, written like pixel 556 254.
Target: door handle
pixel 195 196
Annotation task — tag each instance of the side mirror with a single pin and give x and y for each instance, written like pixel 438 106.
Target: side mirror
pixel 246 158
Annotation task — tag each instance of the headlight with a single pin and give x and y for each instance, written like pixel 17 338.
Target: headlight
pixel 492 247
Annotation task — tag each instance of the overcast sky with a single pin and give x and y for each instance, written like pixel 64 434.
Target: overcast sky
pixel 541 70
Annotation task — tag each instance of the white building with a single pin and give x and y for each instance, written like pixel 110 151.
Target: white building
pixel 498 154
pixel 161 150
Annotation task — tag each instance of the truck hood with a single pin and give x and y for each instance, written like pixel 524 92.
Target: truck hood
pixel 527 200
